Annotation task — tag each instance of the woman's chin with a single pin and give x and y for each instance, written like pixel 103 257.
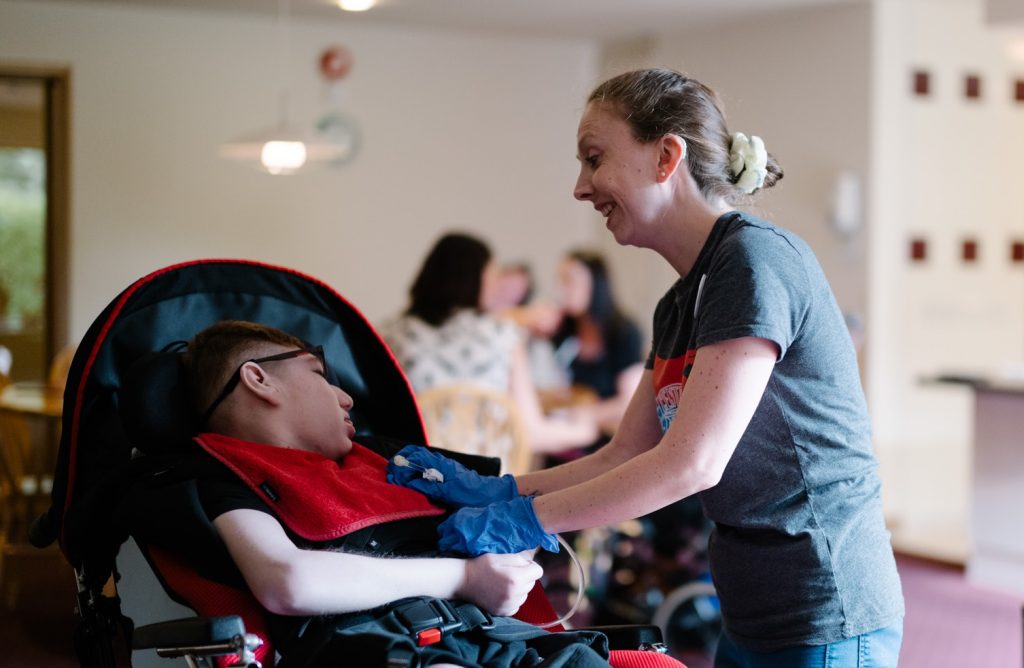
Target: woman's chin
pixel 618 232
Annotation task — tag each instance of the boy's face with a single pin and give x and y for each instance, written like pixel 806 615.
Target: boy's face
pixel 316 412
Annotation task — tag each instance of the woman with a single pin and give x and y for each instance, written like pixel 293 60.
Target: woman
pixel 445 336
pixel 750 399
pixel 605 345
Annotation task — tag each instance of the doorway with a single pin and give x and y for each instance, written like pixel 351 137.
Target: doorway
pixel 34 197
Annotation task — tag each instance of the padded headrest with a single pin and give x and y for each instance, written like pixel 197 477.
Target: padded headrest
pixel 155 404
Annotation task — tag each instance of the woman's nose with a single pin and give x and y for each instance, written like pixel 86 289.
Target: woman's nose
pixel 582 191
pixel 345 400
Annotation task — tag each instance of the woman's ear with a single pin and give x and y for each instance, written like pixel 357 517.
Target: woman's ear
pixel 255 380
pixel 671 152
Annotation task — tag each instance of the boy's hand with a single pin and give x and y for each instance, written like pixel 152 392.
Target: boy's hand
pixel 499 583
pixel 504 527
pixel 459 485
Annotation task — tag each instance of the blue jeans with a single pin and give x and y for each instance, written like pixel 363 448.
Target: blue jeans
pixel 878 649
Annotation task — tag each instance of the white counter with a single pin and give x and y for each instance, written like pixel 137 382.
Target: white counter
pixel 996 556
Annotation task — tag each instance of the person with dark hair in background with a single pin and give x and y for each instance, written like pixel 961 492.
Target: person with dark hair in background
pixel 514 299
pixel 604 346
pixel 447 336
pixel 751 397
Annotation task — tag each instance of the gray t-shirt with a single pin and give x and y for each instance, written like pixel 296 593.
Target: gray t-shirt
pixel 799 552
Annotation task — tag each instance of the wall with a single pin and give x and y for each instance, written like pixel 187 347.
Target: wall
pixel 460 131
pixel 943 169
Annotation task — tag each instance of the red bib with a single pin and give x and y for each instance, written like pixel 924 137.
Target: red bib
pixel 316 497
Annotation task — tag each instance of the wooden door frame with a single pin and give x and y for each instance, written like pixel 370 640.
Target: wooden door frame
pixel 57 84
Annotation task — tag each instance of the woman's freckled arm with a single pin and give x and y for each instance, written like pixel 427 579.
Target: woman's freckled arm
pixel 718 401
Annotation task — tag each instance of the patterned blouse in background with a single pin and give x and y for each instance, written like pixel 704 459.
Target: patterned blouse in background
pixel 469 346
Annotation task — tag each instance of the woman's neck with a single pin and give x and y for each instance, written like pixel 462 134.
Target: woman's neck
pixel 685 238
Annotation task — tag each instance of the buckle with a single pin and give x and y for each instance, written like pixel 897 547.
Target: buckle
pixel 428 620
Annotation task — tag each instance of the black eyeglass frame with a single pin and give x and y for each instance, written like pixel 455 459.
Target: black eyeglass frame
pixel 236 377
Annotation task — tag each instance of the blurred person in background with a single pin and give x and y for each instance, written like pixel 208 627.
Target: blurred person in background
pixel 601 347
pixel 447 335
pixel 514 298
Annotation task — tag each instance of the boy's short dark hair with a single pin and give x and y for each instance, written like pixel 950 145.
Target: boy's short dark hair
pixel 214 353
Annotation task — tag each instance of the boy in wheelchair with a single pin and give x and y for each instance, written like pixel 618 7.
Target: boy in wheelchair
pixel 358 576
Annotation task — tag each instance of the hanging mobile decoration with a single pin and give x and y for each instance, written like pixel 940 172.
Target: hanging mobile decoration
pixel 335 126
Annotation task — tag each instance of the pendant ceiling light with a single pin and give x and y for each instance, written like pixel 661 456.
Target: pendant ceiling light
pixel 284 148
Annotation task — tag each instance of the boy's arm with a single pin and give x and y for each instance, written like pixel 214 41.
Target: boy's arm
pixel 289 581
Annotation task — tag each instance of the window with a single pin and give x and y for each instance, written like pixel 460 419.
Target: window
pixel 33 217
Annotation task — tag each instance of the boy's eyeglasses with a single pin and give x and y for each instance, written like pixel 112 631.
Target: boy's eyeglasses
pixel 236 377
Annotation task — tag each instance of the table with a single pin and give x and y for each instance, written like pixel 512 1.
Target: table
pixel 30 414
pixel 561 398
pixel 32 399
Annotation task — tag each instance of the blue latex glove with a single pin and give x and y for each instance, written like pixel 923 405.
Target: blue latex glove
pixel 461 486
pixel 505 527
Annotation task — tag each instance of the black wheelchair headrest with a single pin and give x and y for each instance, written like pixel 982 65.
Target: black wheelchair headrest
pixel 156 405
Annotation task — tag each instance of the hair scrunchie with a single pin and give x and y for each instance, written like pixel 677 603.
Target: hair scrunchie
pixel 748 161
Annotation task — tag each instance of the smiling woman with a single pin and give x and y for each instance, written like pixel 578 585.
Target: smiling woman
pixel 750 400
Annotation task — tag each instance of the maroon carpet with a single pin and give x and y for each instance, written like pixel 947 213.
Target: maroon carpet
pixel 950 623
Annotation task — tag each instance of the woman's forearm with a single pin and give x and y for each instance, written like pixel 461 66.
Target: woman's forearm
pixel 638 432
pixel 571 473
pixel 640 486
pixel 725 386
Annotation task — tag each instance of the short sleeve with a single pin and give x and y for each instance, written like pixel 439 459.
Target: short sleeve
pixel 659 316
pixel 221 494
pixel 756 286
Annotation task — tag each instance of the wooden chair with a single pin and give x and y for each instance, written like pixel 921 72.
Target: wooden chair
pixel 57 376
pixel 24 494
pixel 27 461
pixel 467 417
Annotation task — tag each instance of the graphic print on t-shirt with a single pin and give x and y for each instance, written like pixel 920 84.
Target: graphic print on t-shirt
pixel 669 379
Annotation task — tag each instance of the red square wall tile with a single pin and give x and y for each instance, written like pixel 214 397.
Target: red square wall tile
pixel 969 251
pixel 922 83
pixel 918 250
pixel 1017 251
pixel 972 86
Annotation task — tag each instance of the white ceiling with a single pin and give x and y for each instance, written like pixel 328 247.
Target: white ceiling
pixel 578 19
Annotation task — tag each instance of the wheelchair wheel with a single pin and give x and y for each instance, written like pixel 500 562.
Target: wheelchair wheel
pixel 690 618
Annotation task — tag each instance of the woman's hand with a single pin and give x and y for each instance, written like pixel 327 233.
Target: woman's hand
pixel 499 583
pixel 506 527
pixel 453 483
